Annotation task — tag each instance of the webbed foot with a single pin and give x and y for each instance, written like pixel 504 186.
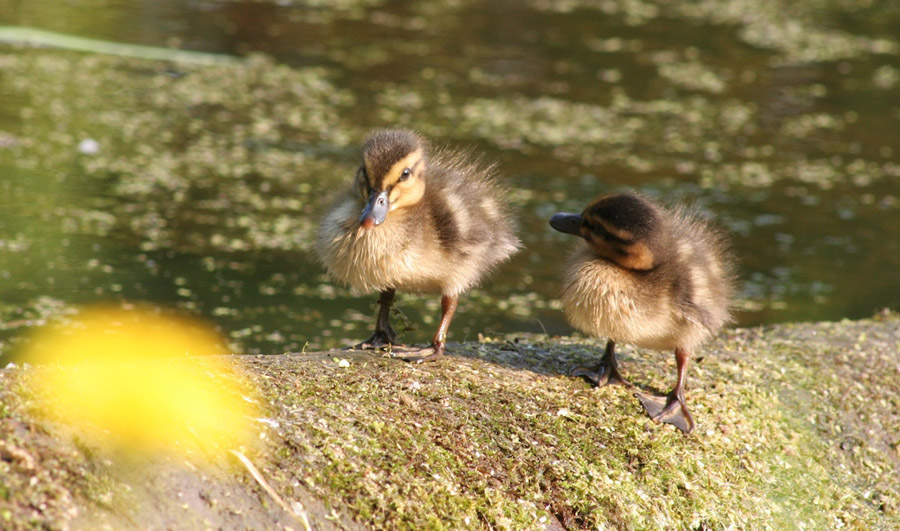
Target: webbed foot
pixel 669 409
pixel 604 373
pixel 436 350
pixel 600 375
pixel 420 355
pixel 380 340
pixel 384 337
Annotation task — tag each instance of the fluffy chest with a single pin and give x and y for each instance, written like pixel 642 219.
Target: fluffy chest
pixel 604 300
pixel 387 256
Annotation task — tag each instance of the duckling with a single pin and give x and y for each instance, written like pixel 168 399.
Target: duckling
pixel 650 276
pixel 420 220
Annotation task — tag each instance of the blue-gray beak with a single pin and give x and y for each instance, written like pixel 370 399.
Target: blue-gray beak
pixel 376 210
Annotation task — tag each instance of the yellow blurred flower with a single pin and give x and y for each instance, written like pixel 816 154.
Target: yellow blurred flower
pixel 143 380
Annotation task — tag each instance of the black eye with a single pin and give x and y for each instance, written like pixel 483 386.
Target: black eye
pixel 405 175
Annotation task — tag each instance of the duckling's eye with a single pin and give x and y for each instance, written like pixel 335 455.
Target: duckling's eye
pixel 405 175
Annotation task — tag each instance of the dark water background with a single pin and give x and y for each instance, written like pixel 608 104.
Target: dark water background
pixel 197 188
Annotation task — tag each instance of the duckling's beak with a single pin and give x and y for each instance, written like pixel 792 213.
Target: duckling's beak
pixel 376 209
pixel 568 223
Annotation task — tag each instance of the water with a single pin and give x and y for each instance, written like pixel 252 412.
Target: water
pixel 198 188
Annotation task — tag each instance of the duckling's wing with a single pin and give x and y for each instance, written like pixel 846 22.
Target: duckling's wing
pixel 696 314
pixel 469 212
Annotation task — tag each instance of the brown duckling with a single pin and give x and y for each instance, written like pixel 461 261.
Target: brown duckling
pixel 654 277
pixel 419 220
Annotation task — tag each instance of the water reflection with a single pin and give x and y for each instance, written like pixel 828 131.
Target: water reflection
pixel 200 186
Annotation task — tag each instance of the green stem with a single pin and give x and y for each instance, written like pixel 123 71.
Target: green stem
pixel 37 37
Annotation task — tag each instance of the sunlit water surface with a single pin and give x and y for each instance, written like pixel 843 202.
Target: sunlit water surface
pixel 198 188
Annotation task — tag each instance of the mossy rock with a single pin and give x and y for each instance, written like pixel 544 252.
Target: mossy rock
pixel 797 428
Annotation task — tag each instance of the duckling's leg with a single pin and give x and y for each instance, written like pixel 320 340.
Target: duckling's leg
pixel 384 335
pixel 604 373
pixel 436 350
pixel 671 408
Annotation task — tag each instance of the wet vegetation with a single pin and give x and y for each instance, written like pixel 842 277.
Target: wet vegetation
pixel 197 186
pixel 797 427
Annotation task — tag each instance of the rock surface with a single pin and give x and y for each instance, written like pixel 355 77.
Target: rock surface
pixel 797 425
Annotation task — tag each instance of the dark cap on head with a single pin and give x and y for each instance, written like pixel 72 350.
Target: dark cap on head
pixel 625 212
pixel 385 147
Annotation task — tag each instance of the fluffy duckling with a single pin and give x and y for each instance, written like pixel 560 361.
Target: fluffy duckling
pixel 415 219
pixel 650 276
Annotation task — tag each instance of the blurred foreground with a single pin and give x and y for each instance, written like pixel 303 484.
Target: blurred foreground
pixel 140 381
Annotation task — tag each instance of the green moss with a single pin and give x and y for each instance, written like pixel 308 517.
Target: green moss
pixel 496 435
pixel 46 475
pixel 797 427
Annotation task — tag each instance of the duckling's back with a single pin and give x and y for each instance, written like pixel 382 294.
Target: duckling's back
pixel 702 270
pixel 464 211
pixel 468 211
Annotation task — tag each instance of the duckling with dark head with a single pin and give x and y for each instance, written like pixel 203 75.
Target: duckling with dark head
pixel 419 220
pixel 650 276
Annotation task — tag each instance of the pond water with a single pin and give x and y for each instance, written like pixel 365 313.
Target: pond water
pixel 197 187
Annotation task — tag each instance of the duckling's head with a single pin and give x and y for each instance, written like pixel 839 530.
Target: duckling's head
pixel 392 173
pixel 623 228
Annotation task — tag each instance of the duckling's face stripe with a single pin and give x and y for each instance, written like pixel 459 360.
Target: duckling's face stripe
pixel 404 180
pixel 380 176
pixel 636 256
pixel 602 227
pixel 385 149
pixel 398 187
pixel 625 216
pixel 622 235
pixel 397 172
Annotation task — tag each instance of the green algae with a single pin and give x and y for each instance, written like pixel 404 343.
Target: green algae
pixel 152 170
pixel 497 437
pixel 797 427
pixel 163 159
